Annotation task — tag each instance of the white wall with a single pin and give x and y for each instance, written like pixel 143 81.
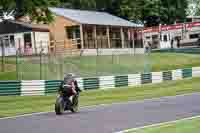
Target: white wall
pixel 42 41
pixel 39 39
pixel 113 51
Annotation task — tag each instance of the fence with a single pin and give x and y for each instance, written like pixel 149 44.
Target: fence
pixel 50 62
pixel 44 87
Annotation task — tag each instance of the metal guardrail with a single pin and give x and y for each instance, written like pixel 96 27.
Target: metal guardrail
pixel 42 87
pixel 179 50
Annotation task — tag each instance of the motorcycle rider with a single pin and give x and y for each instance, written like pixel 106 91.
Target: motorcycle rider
pixel 70 86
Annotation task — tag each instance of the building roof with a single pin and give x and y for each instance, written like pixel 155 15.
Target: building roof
pixel 32 26
pixel 93 17
pixel 10 26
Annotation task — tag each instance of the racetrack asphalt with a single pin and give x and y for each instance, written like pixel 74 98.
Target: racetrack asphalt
pixel 107 118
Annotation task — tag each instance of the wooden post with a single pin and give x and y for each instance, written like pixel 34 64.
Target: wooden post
pixel 129 38
pixel 132 36
pixel 81 33
pixel 108 36
pixel 133 39
pixel 95 36
pixel 122 37
pixel 129 34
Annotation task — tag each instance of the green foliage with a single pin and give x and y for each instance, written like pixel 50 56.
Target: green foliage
pixel 152 12
pixel 194 8
pixel 36 9
pixel 173 10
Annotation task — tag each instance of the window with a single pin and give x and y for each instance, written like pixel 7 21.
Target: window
pixel 73 32
pixel 177 37
pixel 12 41
pixel 125 34
pixel 154 37
pixel 27 40
pixel 165 38
pixel 148 37
pixel 104 32
pixel 194 36
pixel 89 34
pixel 6 43
pixel 69 33
pixel 77 32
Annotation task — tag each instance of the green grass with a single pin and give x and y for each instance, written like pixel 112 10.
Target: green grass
pixel 53 68
pixel 8 75
pixel 185 126
pixel 16 105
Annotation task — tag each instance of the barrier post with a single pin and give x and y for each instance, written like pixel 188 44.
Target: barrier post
pixel 2 57
pixel 17 67
pixel 41 50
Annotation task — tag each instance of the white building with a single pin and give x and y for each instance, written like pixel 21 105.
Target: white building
pixel 29 39
pixel 168 36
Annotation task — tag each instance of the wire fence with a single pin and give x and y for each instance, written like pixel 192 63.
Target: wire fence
pixel 51 60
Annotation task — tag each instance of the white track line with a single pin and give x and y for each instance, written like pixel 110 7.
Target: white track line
pixel 103 105
pixel 158 124
pixel 39 113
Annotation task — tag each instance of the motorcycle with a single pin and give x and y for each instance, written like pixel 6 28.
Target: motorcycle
pixel 63 103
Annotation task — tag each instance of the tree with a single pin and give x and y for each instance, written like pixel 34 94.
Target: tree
pixel 193 8
pixel 149 12
pixel 37 10
pixel 173 10
pixel 6 8
pixel 79 4
pixel 146 11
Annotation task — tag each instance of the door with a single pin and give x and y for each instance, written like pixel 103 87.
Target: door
pixel 27 44
pixel 165 42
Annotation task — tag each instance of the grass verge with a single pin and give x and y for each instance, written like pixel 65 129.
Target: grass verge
pixel 89 66
pixel 16 105
pixel 183 126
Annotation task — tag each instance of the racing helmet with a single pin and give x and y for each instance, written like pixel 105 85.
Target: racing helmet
pixel 68 77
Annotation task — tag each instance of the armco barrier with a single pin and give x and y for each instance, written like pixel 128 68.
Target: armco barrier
pixel 34 87
pixel 91 83
pixel 51 86
pixel 42 87
pixel 167 75
pixel 157 77
pixel 146 78
pixel 196 72
pixel 187 73
pixel 107 81
pixel 121 81
pixel 134 80
pixel 10 88
pixel 177 74
pixel 179 50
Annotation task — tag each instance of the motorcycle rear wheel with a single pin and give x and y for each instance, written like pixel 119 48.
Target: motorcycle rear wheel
pixel 59 106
